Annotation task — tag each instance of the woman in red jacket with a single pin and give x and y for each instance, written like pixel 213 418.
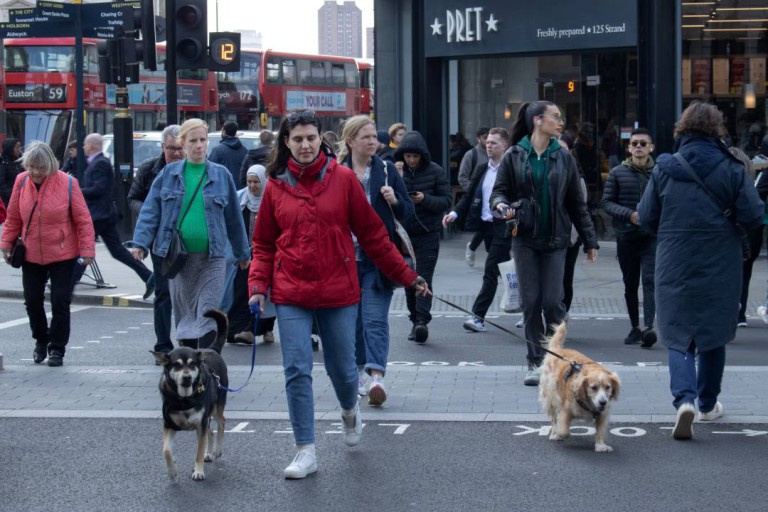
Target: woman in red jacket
pixel 49 212
pixel 303 253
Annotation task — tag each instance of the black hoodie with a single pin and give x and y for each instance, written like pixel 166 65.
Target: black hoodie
pixel 431 180
pixel 9 169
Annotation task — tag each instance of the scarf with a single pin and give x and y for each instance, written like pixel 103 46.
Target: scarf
pixel 253 202
pixel 310 170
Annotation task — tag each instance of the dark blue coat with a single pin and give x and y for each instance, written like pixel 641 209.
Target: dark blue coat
pixel 699 253
pixel 403 209
pixel 230 153
pixel 99 187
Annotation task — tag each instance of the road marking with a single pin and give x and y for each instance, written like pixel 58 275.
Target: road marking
pixel 93 341
pixel 121 332
pixel 746 432
pixel 401 427
pixel 25 320
pixel 107 337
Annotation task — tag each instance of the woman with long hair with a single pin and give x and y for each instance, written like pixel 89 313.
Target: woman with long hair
pixel 385 191
pixel 199 199
pixel 538 185
pixel 304 256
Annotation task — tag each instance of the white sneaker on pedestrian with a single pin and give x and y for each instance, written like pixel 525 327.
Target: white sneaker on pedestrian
pixel 762 312
pixel 469 256
pixel 362 383
pixel 684 423
pixel 713 414
pixel 351 425
pixel 474 324
pixel 303 464
pixel 533 375
pixel 377 392
pixel 520 323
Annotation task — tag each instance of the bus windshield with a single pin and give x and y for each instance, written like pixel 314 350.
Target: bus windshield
pixel 50 126
pixel 40 59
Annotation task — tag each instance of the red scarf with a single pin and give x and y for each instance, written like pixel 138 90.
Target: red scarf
pixel 310 170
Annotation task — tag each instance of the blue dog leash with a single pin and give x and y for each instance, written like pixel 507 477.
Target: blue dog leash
pixel 256 315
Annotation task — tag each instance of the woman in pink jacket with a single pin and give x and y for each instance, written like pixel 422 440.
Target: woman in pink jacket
pixel 49 212
pixel 303 253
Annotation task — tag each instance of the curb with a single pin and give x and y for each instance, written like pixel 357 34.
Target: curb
pixel 87 300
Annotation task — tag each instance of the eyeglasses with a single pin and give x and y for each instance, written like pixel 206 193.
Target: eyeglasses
pixel 297 117
pixel 173 149
pixel 641 143
pixel 556 119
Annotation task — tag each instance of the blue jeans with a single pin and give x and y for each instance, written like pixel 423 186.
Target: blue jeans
pixel 161 307
pixel 372 332
pixel 687 383
pixel 337 330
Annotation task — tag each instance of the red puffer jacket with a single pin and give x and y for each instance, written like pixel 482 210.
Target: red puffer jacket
pixel 57 231
pixel 302 242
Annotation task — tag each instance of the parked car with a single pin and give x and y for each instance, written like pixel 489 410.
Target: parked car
pixel 145 145
pixel 250 139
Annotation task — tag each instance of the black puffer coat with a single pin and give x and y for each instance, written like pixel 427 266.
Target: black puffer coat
pixel 9 169
pixel 148 170
pixel 431 180
pixel 623 189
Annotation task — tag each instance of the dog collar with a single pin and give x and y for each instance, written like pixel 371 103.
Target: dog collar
pixel 584 405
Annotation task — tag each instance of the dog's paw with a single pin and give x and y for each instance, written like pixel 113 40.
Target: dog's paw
pixel 603 448
pixel 554 436
pixel 217 453
pixel 173 474
pixel 198 475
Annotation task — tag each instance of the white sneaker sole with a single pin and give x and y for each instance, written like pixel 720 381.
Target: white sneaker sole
pixel 295 472
pixel 684 424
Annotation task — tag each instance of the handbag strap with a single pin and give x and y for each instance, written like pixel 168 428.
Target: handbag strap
pixel 34 206
pixel 192 198
pixel 727 212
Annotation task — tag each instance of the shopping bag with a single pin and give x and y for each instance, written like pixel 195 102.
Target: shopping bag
pixel 510 301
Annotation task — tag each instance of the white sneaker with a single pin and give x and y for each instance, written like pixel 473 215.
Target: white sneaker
pixel 713 414
pixel 474 324
pixel 762 312
pixel 352 425
pixel 743 323
pixel 520 323
pixel 684 423
pixel 362 383
pixel 377 392
pixel 469 256
pixel 533 375
pixel 303 464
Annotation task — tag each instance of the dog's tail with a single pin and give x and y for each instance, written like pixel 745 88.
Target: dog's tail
pixel 558 339
pixel 222 326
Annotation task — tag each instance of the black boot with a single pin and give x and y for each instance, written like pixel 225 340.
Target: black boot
pixel 191 343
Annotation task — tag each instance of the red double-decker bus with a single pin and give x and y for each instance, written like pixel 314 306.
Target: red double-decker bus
pixel 239 97
pixel 326 84
pixel 367 96
pixel 40 92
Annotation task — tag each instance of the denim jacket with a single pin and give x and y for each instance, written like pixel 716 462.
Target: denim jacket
pixel 162 208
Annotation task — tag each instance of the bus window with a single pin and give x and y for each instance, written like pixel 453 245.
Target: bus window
pixel 289 71
pixel 305 77
pixel 337 74
pixel 350 70
pixel 317 71
pixel 273 70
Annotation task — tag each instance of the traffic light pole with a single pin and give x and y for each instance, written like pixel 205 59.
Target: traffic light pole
pixel 170 63
pixel 80 92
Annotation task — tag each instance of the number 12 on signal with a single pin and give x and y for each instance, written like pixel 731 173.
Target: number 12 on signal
pixel 224 51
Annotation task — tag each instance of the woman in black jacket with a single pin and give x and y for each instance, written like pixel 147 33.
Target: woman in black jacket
pixel 427 184
pixel 544 175
pixel 10 167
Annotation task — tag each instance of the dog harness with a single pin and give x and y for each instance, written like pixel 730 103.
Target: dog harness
pixel 182 404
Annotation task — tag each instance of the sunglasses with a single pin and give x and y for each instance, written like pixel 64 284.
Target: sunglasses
pixel 301 116
pixel 640 143
pixel 174 149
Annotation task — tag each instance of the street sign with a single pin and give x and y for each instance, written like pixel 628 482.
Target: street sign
pixel 593 80
pixel 104 21
pixel 49 19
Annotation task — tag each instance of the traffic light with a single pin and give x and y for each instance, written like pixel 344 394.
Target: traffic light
pixel 225 51
pixel 190 38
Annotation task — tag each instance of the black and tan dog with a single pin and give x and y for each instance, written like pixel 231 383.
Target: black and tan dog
pixel 190 391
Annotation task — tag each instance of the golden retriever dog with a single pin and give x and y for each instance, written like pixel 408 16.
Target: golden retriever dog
pixel 566 393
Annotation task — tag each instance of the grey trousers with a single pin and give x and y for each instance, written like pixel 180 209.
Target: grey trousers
pixel 540 277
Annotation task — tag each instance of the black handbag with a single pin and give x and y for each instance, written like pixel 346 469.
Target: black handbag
pixel 176 256
pixel 19 250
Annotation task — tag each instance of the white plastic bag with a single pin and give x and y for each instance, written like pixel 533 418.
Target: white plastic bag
pixel 510 301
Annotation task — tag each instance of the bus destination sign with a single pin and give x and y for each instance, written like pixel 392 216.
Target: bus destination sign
pixel 36 93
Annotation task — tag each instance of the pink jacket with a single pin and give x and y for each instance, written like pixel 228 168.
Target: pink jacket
pixel 58 231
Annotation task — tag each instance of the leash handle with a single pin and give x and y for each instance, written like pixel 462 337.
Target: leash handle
pixel 256 316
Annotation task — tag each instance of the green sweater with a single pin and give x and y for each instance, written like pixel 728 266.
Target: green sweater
pixel 193 228
pixel 540 170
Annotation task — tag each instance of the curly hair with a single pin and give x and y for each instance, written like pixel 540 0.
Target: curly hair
pixel 702 119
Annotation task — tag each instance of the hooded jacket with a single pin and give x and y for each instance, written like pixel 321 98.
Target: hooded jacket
pixel 9 169
pixel 302 244
pixel 623 189
pixel 431 180
pixel 254 156
pixel 230 153
pixel 567 204
pixel 698 252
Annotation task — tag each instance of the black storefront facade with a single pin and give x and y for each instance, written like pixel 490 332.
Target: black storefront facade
pixel 446 66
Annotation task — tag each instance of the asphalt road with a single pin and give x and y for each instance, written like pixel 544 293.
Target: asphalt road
pixel 90 464
pixel 123 336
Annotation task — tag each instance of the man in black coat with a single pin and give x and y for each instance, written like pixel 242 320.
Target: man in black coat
pixel 98 189
pixel 635 247
pixel 10 167
pixel 230 152
pixel 148 171
pixel 258 155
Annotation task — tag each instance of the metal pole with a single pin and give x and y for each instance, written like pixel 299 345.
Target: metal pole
pixel 80 92
pixel 170 61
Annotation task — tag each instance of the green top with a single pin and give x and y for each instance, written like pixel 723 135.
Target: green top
pixel 540 171
pixel 193 228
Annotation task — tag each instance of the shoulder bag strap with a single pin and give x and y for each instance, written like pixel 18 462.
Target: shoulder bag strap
pixel 192 198
pixel 727 212
pixel 34 206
